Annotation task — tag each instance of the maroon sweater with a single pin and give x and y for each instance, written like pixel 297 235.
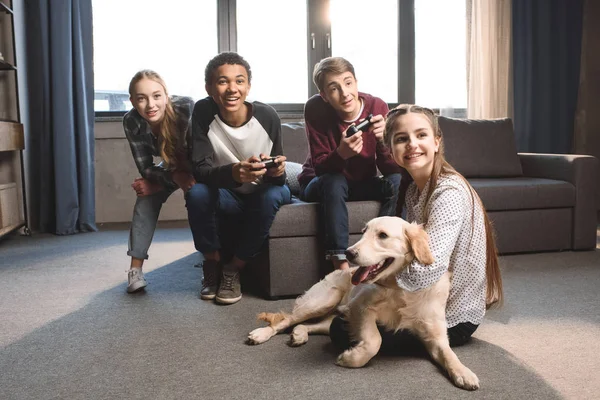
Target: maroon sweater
pixel 324 130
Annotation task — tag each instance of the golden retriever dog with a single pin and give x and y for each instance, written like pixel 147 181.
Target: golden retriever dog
pixel 368 294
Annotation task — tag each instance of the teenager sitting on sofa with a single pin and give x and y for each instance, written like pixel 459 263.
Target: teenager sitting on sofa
pixel 340 168
pixel 230 138
pixel 460 233
pixel 158 125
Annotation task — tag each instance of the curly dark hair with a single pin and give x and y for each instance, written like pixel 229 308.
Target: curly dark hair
pixel 228 57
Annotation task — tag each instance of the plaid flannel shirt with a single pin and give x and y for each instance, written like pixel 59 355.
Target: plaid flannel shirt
pixel 144 144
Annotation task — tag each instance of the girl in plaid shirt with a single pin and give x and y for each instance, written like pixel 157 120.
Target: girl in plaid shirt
pixel 158 125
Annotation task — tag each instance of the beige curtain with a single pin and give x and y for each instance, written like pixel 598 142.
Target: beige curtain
pixel 489 59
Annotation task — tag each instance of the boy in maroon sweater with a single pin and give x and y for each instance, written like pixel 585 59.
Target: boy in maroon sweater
pixel 341 168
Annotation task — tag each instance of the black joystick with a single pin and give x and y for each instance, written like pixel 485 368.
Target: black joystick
pixel 269 163
pixel 360 127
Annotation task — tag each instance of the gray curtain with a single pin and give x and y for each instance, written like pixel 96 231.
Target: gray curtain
pixel 546 59
pixel 61 108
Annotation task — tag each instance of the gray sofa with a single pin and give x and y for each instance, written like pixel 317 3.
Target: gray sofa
pixel 537 202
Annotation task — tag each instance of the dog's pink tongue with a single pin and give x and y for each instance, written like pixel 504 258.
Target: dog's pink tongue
pixel 360 275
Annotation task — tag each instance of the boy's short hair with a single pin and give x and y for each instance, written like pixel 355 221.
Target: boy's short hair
pixel 227 57
pixel 335 65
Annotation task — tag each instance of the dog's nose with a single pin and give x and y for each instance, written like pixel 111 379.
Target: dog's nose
pixel 351 254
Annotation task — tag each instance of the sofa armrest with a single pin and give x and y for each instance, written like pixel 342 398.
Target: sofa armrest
pixel 583 172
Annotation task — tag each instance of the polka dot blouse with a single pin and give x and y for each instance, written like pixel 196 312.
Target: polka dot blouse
pixel 456 231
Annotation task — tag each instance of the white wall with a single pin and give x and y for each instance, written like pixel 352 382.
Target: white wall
pixel 115 171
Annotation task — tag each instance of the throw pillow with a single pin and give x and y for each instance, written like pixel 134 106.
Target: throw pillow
pixel 292 171
pixel 481 148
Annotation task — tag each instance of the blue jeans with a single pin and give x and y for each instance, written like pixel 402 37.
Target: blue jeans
pixel 332 191
pixel 254 211
pixel 143 224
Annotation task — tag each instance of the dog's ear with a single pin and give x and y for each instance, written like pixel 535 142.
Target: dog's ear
pixel 419 242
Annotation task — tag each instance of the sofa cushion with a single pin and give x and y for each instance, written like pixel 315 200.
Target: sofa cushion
pixel 501 194
pixel 301 219
pixel 481 148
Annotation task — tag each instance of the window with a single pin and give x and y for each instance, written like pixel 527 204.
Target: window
pixel 440 47
pixel 275 50
pixel 372 50
pixel 175 39
pixel 402 50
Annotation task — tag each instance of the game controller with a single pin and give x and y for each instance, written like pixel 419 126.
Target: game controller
pixel 269 163
pixel 360 127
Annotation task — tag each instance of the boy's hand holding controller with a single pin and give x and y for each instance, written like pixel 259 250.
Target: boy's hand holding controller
pixel 264 162
pixel 351 143
pixel 378 126
pixel 275 165
pixel 247 171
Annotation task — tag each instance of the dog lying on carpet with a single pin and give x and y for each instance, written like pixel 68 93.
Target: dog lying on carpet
pixel 369 294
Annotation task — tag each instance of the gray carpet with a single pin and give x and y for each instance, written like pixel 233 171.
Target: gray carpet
pixel 69 331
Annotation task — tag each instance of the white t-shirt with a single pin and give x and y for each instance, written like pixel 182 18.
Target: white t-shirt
pixel 216 146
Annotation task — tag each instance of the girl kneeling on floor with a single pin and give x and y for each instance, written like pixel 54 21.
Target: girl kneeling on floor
pixel 158 125
pixel 460 234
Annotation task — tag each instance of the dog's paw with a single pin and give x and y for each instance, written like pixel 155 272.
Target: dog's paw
pixel 260 335
pixel 352 358
pixel 299 336
pixel 465 379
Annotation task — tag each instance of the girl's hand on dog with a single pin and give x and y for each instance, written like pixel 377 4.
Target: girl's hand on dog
pixel 248 170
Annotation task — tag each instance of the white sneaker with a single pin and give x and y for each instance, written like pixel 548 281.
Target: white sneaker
pixel 136 280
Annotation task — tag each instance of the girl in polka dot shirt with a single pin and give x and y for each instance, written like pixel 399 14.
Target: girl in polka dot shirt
pixel 460 234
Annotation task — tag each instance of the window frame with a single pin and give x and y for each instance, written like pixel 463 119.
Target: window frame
pixel 319 33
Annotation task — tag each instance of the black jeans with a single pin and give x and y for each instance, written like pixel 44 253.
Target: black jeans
pixel 402 341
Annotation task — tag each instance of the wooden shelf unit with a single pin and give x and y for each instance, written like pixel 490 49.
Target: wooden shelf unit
pixel 11 136
pixel 9 202
pixel 13 205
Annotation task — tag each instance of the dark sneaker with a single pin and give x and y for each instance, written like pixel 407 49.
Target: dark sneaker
pixel 210 280
pixel 230 289
pixel 135 280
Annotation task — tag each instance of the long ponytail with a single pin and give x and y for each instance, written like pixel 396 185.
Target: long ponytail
pixel 494 291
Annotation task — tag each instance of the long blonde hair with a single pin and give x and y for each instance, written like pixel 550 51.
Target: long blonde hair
pixel 170 148
pixel 494 292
